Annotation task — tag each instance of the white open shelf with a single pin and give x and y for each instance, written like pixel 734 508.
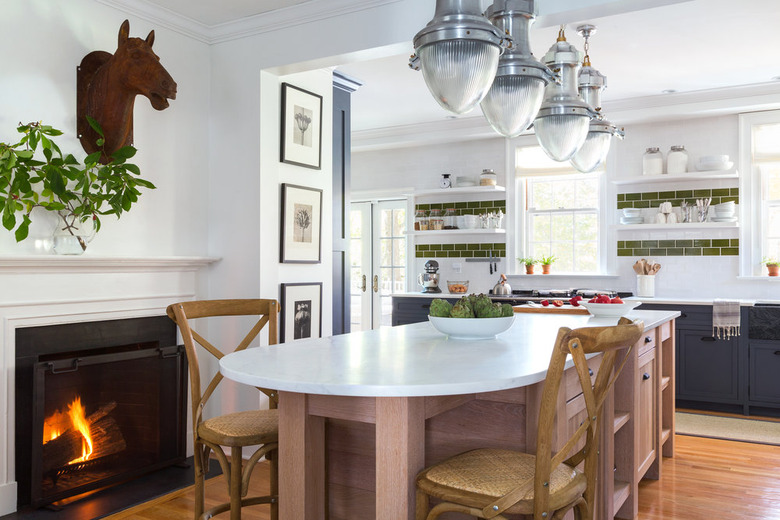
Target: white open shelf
pixel 676 227
pixel 466 190
pixel 458 232
pixel 690 176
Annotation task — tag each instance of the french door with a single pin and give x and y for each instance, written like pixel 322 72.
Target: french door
pixel 378 261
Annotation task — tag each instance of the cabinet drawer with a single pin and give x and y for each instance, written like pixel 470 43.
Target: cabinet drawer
pixel 646 343
pixel 572 380
pixel 691 316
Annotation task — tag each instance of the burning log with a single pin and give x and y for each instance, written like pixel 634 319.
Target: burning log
pixel 106 437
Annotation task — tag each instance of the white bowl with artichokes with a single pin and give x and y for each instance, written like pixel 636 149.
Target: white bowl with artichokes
pixel 474 316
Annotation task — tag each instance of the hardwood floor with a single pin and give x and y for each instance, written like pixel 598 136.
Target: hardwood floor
pixel 707 479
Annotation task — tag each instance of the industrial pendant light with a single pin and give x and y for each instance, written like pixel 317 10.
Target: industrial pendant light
pixel 591 84
pixel 458 54
pixel 562 123
pixel 518 89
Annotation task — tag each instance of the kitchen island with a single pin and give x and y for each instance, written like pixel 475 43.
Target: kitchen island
pixel 366 411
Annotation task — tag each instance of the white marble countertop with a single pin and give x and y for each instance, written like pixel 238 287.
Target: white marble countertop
pixel 414 360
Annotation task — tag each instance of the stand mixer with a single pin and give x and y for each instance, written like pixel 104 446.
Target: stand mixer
pixel 429 280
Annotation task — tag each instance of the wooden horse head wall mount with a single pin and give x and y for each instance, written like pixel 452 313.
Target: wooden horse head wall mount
pixel 106 87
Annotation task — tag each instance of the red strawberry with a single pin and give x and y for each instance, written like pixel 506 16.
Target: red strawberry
pixel 593 300
pixel 602 298
pixel 557 303
pixel 544 303
pixel 575 301
pixel 616 299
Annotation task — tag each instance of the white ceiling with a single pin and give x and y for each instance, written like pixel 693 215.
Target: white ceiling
pixel 689 46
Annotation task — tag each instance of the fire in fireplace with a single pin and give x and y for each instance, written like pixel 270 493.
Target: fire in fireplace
pixel 97 403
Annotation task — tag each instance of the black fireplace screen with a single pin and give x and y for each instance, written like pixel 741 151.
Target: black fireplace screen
pixel 105 406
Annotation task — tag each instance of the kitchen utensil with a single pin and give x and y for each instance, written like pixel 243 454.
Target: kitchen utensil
pixel 502 288
pixel 638 267
pixel 490 262
pixel 429 280
pixel 655 268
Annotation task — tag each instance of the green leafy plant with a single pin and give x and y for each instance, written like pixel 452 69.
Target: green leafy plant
pixel 528 261
pixel 770 261
pixel 34 173
pixel 547 260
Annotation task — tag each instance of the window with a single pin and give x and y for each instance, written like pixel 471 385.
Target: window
pixel 760 189
pixel 562 212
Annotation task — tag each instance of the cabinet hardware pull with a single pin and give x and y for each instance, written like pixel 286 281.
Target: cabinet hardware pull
pixel 707 338
pixel 590 372
pixel 645 376
pixel 363 284
pixel 426 306
pixel 777 352
pixel 683 315
pixel 648 339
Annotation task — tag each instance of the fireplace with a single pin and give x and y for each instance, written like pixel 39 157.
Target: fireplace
pixel 97 403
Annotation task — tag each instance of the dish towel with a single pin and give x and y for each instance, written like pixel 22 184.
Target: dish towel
pixel 725 318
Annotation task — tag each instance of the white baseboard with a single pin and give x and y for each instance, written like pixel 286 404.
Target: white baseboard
pixel 7 498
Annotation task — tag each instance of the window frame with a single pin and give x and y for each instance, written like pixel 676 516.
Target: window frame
pixel 752 223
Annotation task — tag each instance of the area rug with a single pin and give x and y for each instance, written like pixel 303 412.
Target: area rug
pixel 729 428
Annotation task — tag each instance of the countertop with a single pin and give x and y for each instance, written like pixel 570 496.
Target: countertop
pixel 658 299
pixel 414 360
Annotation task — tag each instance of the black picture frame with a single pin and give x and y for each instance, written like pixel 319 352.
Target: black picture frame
pixel 301 311
pixel 301 131
pixel 301 225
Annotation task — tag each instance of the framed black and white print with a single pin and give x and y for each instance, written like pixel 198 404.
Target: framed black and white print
pixel 301 239
pixel 301 134
pixel 301 311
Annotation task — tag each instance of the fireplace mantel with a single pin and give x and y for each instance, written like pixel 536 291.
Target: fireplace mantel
pixel 69 264
pixel 52 289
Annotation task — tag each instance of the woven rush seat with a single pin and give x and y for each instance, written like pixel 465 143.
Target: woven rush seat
pixel 481 476
pixel 241 428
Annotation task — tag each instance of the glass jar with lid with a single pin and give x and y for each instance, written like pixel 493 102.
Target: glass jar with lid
pixel 435 220
pixel 450 218
pixel 488 178
pixel 677 160
pixel 652 162
pixel 420 220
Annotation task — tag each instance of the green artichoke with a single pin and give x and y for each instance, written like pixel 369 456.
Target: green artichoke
pixel 440 308
pixel 507 310
pixel 461 310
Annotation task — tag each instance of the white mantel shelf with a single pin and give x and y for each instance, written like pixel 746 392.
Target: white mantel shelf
pixel 63 263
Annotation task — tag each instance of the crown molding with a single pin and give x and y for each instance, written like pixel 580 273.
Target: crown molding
pixel 421 134
pixel 249 26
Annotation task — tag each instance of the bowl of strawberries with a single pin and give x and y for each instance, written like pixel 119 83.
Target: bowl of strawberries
pixel 605 307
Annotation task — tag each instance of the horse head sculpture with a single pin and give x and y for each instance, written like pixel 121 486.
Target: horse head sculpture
pixel 106 87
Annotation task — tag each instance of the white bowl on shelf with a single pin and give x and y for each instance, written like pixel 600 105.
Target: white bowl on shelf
pixel 713 166
pixel 471 328
pixel 632 212
pixel 610 310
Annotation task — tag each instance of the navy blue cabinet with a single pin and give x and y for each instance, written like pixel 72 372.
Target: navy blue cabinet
pixel 413 309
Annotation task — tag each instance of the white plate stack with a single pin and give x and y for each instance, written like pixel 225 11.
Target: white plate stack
pixel 725 212
pixel 632 216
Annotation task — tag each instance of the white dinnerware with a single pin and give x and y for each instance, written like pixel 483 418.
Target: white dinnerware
pixel 610 310
pixel 471 328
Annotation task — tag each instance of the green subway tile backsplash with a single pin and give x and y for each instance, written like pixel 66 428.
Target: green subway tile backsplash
pixel 692 247
pixel 460 250
pixel 652 199
pixel 466 208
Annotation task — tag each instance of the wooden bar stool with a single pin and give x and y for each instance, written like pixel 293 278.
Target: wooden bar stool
pixel 235 430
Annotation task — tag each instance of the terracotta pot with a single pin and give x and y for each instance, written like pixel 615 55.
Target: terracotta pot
pixel 773 269
pixel 529 269
pixel 546 268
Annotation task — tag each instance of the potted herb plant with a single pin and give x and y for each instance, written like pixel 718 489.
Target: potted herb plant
pixel 34 173
pixel 546 262
pixel 529 264
pixel 772 266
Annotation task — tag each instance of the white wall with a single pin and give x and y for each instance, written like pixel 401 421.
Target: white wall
pixel 44 42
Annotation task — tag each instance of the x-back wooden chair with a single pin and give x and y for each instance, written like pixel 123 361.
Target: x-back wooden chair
pixel 235 430
pixel 486 483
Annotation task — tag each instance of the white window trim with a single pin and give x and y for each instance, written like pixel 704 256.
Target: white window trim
pixel 520 222
pixel 751 221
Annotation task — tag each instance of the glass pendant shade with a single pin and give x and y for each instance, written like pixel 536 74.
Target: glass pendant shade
pixel 593 152
pixel 459 73
pixel 512 103
pixel 560 136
